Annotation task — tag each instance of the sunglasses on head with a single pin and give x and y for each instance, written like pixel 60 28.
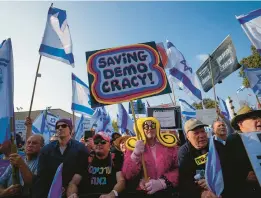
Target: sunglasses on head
pixel 99 141
pixel 148 125
pixel 61 125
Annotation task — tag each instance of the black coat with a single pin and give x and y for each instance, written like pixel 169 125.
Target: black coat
pixel 236 168
pixel 187 170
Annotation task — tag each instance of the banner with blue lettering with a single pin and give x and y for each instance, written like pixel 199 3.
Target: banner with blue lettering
pixel 125 73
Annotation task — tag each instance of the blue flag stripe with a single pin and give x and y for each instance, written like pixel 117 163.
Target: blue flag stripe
pixel 81 108
pixel 250 16
pixel 187 104
pixel 78 80
pixel 56 52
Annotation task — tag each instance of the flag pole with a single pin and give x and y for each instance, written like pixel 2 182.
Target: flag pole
pixel 139 138
pixel 213 84
pixel 15 170
pixel 173 93
pixel 73 123
pixel 35 81
pixel 172 100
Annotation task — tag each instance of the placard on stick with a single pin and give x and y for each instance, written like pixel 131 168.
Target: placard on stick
pixel 125 73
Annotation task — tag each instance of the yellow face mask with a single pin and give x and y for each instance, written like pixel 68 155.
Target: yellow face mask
pixel 166 139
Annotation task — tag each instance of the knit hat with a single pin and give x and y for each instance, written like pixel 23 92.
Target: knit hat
pixel 66 121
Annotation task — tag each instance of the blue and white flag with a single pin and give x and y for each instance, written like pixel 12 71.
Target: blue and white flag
pixel 213 170
pixel 56 189
pixel 79 129
pixel 57 43
pixel 124 121
pixel 251 24
pixel 95 116
pixel 101 121
pixel 80 97
pixel 187 110
pixel 107 125
pixel 182 73
pixel 254 78
pixel 45 124
pixel 223 108
pixel 240 89
pixel 6 89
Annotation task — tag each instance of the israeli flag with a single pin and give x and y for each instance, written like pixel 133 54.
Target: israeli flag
pixel 6 89
pixel 79 129
pixel 187 110
pixel 124 121
pixel 95 117
pixel 101 121
pixel 182 73
pixel 45 124
pixel 213 171
pixel 57 43
pixel 251 24
pixel 56 189
pixel 81 97
pixel 223 108
pixel 254 78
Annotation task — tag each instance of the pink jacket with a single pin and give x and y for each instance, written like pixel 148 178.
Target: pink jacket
pixel 166 164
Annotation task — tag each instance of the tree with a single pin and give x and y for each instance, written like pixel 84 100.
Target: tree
pixel 252 61
pixel 208 104
pixel 115 126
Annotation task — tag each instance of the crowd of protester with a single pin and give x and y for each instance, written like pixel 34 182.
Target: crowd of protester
pixel 106 167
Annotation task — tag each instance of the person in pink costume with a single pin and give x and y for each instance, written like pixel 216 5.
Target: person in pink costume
pixel 161 160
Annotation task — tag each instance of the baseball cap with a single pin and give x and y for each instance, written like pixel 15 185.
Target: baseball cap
pixel 192 124
pixel 102 135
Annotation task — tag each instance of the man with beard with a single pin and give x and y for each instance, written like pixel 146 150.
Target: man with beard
pixel 240 179
pixel 103 174
pixel 27 168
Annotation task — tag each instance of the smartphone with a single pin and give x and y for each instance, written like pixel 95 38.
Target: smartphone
pixel 87 134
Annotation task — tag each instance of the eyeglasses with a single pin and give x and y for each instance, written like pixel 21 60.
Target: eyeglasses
pixel 148 125
pixel 61 125
pixel 99 141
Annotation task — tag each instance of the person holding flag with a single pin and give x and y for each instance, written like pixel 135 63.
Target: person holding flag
pixel 192 158
pixel 27 168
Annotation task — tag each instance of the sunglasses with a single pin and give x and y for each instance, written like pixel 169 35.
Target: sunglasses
pixel 152 125
pixel 61 125
pixel 96 142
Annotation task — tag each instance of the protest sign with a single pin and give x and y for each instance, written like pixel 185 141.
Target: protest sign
pixel 125 73
pixel 169 118
pixel 252 143
pixel 223 62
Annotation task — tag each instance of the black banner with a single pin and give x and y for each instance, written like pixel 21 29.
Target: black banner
pixel 223 62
